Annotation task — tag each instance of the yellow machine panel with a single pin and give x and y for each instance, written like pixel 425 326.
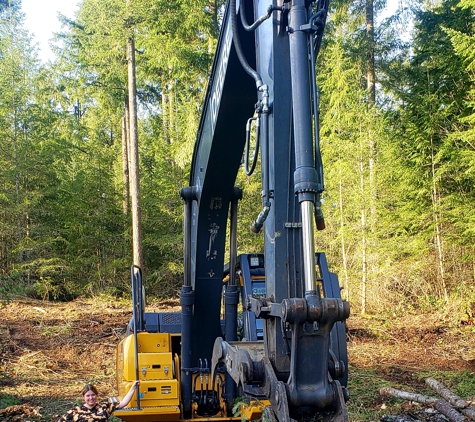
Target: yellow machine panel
pixel 159 396
pixel 149 342
pixel 156 393
pixel 149 414
pixel 154 366
pixel 154 357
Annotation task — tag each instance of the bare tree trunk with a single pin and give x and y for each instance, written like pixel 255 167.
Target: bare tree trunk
pixel 443 407
pixel 15 137
pixel 438 236
pixel 17 181
pixel 370 78
pixel 371 215
pixel 343 247
pixel 371 88
pixel 364 266
pixel 165 111
pixel 134 158
pixel 171 112
pixel 125 163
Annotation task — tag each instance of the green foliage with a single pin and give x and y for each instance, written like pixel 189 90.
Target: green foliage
pixel 63 225
pixel 237 406
pixel 63 229
pixel 431 88
pixel 11 286
pixel 364 386
pixel 7 400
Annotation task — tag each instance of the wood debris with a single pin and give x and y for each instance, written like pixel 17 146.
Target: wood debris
pixel 453 407
pixel 18 413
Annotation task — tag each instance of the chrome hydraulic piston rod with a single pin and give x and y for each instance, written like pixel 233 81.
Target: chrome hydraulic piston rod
pixel 306 177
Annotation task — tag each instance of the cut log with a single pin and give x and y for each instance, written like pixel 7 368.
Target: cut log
pixel 469 412
pixel 447 410
pixel 452 398
pixel 419 398
pixel 440 405
pixel 396 418
pixel 447 394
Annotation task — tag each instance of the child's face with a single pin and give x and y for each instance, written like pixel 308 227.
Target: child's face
pixel 90 398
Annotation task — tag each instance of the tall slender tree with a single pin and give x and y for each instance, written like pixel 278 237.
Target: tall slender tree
pixel 17 69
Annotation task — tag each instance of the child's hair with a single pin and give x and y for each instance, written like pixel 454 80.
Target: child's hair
pixel 89 387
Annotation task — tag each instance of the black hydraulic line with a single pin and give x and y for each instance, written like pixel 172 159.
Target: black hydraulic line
pixel 201 381
pixel 264 127
pixel 319 218
pixel 259 21
pixel 285 340
pixel 257 225
pixel 316 110
pixel 237 45
pixel 186 301
pixel 248 146
pixel 320 17
pixel 202 371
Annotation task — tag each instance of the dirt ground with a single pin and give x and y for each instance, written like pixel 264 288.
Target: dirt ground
pixel 48 351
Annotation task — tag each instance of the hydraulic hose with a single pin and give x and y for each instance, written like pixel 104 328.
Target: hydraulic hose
pixel 258 22
pixel 320 15
pixel 257 225
pixel 237 45
pixel 248 170
pixel 261 218
pixel 318 19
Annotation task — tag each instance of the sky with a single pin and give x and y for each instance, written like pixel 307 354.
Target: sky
pixel 41 20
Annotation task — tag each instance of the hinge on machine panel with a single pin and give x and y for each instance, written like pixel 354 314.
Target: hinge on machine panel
pixel 290 225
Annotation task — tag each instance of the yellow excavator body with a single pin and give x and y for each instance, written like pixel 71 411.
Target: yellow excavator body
pixel 159 389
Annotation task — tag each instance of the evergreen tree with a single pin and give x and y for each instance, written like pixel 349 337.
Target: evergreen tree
pixel 17 130
pixel 429 88
pixel 463 138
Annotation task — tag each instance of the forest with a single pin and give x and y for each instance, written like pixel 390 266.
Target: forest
pixel 397 135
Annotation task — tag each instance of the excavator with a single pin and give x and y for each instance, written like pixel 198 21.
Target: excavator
pixel 259 335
